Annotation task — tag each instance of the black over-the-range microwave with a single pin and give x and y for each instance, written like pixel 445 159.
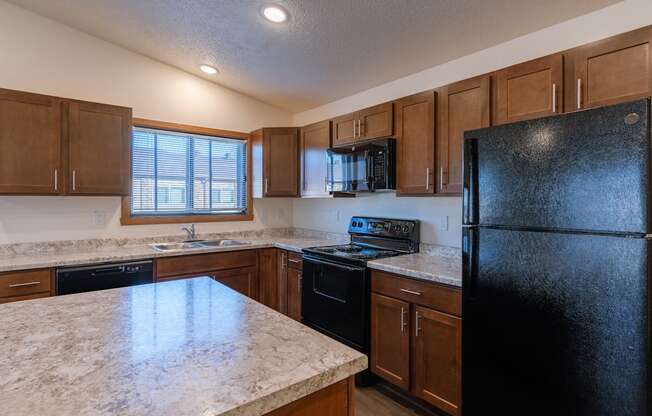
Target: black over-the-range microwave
pixel 368 166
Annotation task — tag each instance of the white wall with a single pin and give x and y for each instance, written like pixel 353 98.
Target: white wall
pixel 43 56
pixel 621 17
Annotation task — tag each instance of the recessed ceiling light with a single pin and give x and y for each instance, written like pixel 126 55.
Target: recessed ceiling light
pixel 208 69
pixel 275 14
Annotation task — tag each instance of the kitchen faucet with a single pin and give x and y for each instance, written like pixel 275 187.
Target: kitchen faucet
pixel 190 231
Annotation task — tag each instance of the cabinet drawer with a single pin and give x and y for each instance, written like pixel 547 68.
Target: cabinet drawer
pixel 25 283
pixel 434 296
pixel 188 265
pixel 295 260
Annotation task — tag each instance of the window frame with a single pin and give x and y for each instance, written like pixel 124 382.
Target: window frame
pixel 127 218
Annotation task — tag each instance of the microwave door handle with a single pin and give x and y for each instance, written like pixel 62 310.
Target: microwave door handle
pixel 369 163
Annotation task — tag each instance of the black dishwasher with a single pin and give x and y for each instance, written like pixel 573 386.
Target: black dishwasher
pixel 98 277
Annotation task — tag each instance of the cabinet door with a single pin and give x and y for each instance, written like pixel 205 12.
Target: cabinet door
pixel 344 129
pixel 30 143
pixel 613 70
pixel 375 122
pixel 530 90
pixel 315 140
pixel 437 344
pixel 99 148
pixel 462 106
pixel 268 277
pixel 390 340
pixel 294 293
pixel 241 280
pixel 281 157
pixel 415 136
pixel 282 270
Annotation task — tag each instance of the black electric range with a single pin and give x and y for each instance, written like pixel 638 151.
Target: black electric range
pixel 336 289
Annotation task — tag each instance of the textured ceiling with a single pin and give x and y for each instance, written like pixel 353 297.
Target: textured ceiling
pixel 328 49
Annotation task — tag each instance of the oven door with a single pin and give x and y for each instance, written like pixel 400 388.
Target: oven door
pixel 349 171
pixel 335 300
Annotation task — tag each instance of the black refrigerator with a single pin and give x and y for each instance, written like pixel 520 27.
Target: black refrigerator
pixel 555 311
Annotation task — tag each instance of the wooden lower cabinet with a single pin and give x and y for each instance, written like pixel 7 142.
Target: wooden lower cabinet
pixel 294 280
pixel 390 339
pixel 268 281
pixel 416 347
pixel 25 285
pixel 334 400
pixel 437 346
pixel 241 280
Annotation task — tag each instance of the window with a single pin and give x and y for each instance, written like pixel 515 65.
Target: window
pixel 183 174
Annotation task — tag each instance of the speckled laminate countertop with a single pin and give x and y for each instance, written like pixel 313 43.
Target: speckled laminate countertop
pixel 187 347
pixel 443 269
pixel 143 251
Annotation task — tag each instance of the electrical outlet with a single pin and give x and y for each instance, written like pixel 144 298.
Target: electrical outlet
pixel 99 218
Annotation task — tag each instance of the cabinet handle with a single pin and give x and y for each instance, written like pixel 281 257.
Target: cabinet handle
pixel 266 185
pixel 295 261
pixel 359 128
pixel 354 120
pixel 56 179
pixel 403 312
pixel 554 98
pixel 74 180
pixel 411 292
pixel 427 178
pixel 25 284
pixel 417 326
pixel 441 178
pixel 579 93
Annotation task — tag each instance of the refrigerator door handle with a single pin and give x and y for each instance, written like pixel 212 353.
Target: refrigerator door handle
pixel 470 246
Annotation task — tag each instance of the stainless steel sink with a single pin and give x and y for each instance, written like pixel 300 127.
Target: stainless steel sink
pixel 223 243
pixel 195 245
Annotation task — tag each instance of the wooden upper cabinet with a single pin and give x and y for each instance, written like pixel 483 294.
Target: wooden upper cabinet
pixel 415 137
pixel 99 148
pixel 437 358
pixel 609 71
pixel 371 123
pixel 375 122
pixel 345 129
pixel 390 340
pixel 30 143
pixel 530 90
pixel 275 159
pixel 462 106
pixel 315 140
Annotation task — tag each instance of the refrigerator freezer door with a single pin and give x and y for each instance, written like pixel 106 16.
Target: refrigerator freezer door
pixel 581 171
pixel 554 324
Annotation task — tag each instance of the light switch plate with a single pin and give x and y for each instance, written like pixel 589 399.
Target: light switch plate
pixel 441 223
pixel 99 218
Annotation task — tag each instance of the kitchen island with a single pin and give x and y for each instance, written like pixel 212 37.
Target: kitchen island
pixel 186 347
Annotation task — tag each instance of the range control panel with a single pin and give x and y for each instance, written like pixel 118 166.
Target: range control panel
pixel 384 227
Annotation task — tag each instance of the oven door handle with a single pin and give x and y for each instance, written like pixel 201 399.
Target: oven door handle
pixel 338 265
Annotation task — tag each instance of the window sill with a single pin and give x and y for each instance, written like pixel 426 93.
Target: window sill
pixel 128 219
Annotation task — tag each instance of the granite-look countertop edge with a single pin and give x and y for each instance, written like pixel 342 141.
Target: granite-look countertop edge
pixel 185 347
pixel 144 252
pixel 431 268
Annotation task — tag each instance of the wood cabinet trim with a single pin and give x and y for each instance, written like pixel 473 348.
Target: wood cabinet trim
pixel 174 266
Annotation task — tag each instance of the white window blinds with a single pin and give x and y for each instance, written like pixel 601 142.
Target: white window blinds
pixel 187 174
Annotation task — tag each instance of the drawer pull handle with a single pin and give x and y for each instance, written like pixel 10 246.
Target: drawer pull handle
pixel 25 284
pixel 417 324
pixel 411 292
pixel 295 261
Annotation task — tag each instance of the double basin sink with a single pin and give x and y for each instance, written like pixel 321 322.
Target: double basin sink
pixel 197 244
